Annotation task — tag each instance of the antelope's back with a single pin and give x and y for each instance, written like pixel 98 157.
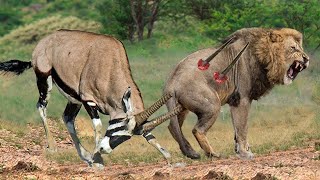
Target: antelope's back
pixel 86 62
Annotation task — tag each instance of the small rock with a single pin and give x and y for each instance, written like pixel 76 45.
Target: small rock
pixel 30 177
pixel 216 175
pixel 125 175
pixel 261 176
pixel 25 166
pixel 159 175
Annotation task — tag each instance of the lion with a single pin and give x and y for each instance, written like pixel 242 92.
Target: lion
pixel 273 57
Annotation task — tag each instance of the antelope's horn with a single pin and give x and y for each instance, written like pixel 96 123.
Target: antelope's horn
pixel 144 115
pixel 219 50
pixel 229 67
pixel 159 120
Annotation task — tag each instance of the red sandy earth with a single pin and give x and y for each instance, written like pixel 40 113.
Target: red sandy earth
pixel 27 161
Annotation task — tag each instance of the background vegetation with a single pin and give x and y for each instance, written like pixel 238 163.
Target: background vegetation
pixel 157 35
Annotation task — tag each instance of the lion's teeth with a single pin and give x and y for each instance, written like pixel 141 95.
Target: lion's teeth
pixel 301 67
pixel 297 65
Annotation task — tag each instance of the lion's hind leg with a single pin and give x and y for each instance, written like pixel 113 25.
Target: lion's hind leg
pixel 206 105
pixel 176 132
pixel 205 121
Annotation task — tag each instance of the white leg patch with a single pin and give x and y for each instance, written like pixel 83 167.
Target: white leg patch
pixel 42 112
pixel 96 122
pixel 49 82
pixel 105 145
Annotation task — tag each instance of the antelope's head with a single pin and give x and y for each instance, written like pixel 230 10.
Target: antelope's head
pixel 122 127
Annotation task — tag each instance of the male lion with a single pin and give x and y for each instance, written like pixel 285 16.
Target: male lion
pixel 274 56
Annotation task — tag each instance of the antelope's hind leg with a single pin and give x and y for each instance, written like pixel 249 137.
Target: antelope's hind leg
pixel 69 116
pixel 44 83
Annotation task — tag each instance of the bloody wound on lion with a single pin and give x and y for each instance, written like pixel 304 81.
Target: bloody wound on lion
pixel 204 64
pixel 221 78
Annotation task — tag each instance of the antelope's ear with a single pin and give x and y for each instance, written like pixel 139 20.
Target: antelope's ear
pixel 126 101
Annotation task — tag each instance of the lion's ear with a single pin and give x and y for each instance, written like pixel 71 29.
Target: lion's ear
pixel 275 37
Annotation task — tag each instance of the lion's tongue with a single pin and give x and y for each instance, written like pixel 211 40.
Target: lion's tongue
pixel 290 72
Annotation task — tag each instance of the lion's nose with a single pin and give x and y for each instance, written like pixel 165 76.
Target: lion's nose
pixel 305 58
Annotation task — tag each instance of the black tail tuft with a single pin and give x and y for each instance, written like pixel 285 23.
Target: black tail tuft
pixel 15 66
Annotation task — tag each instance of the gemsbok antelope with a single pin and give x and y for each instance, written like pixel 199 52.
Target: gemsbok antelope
pixel 92 70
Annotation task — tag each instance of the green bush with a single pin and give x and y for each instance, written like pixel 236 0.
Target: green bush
pixel 9 19
pixel 33 32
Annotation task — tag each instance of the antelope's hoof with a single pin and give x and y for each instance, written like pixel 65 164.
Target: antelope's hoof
pixel 97 158
pixel 98 166
pixel 179 165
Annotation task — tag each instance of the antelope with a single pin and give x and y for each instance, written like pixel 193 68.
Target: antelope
pixel 92 70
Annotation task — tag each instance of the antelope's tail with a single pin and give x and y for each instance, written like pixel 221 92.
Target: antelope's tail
pixel 14 66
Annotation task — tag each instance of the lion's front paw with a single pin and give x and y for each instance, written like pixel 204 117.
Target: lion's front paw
pixel 244 152
pixel 247 155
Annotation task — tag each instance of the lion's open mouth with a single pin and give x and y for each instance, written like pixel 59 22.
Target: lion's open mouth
pixel 295 68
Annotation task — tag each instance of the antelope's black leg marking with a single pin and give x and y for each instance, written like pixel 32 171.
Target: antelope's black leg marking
pixel 92 110
pixel 117 132
pixel 44 83
pixel 152 140
pixel 69 116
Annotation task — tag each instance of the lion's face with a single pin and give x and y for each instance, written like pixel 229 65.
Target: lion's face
pixel 295 59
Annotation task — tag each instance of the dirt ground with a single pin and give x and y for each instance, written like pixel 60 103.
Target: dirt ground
pixel 24 158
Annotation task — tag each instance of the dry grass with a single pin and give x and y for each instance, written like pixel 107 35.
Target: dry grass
pixel 283 129
pixel 19 130
pixel 270 129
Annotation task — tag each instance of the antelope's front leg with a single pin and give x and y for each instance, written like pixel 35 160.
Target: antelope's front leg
pixel 92 110
pixel 240 123
pixel 69 115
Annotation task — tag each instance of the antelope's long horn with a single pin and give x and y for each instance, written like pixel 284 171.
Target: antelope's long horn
pixel 219 50
pixel 222 77
pixel 228 68
pixel 144 115
pixel 204 64
pixel 159 120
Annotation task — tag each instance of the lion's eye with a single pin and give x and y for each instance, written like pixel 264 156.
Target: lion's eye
pixel 293 48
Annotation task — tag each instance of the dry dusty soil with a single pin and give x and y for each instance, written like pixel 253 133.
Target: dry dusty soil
pixel 23 158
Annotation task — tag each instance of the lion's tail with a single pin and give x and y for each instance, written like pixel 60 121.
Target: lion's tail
pixel 15 66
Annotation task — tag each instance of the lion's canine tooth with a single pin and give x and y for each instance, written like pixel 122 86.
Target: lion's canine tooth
pixel 301 67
